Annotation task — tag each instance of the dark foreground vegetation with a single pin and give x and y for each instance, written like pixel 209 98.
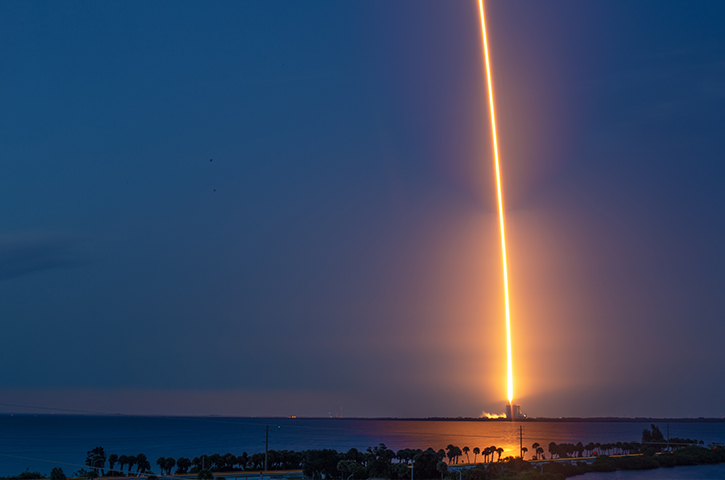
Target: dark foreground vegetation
pixel 565 460
pixel 517 469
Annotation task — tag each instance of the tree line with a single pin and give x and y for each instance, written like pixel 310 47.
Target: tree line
pixel 429 465
pixel 652 441
pixel 378 461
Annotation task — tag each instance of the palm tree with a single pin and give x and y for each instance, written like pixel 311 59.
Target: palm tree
pixel 476 451
pixel 216 461
pixel 535 448
pixel 451 453
pixel 142 463
pixel 131 462
pixel 170 463
pixel 465 451
pixel 182 465
pixel 499 450
pixel 442 468
pixel 122 461
pixel 540 451
pixel 552 449
pixel 523 452
pixel 112 459
pixel 492 450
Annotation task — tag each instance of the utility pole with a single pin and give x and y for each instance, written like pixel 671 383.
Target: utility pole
pixel 521 441
pixel 266 448
pixel 668 437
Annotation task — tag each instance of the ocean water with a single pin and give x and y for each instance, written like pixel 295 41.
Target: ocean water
pixel 41 442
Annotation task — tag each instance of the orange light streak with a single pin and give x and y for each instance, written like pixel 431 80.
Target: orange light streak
pixel 510 376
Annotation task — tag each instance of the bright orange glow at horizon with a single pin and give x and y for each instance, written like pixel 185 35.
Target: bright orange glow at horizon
pixel 509 363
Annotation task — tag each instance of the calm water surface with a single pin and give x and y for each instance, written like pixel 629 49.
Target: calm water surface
pixel 39 443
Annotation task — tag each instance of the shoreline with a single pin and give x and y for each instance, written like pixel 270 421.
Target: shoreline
pixel 395 419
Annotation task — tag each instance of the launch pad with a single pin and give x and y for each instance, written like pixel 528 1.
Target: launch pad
pixel 513 412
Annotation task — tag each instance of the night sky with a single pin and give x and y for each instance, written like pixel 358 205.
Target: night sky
pixel 288 208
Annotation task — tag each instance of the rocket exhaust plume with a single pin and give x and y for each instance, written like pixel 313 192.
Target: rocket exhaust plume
pixel 510 376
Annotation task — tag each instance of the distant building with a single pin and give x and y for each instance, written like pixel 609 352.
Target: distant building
pixel 513 412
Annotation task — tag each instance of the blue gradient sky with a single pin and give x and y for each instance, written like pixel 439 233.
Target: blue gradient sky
pixel 284 208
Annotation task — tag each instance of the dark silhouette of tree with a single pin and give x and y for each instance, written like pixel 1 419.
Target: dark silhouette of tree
pixel 230 460
pixel 535 449
pixel 442 468
pixel 96 459
pixel 476 452
pixel 169 464
pixel 499 450
pixel 243 460
pixel 449 453
pixel 216 462
pixel 131 461
pixel 465 452
pixel 165 464
pixel 540 453
pixel 523 452
pixel 653 437
pixel 320 463
pixel 406 455
pixel 453 453
pixel 205 474
pixel 122 462
pixel 142 463
pixel 379 461
pixel 112 459
pixel 57 474
pixel 81 473
pixel 355 455
pixel 291 460
pixel 400 470
pixel 202 462
pixel 425 463
pixel 182 465
pixel 350 467
pixel 552 450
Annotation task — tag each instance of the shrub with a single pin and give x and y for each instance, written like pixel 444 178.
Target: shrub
pixel 57 474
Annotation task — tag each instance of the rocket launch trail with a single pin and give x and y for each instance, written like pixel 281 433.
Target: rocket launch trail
pixel 509 363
